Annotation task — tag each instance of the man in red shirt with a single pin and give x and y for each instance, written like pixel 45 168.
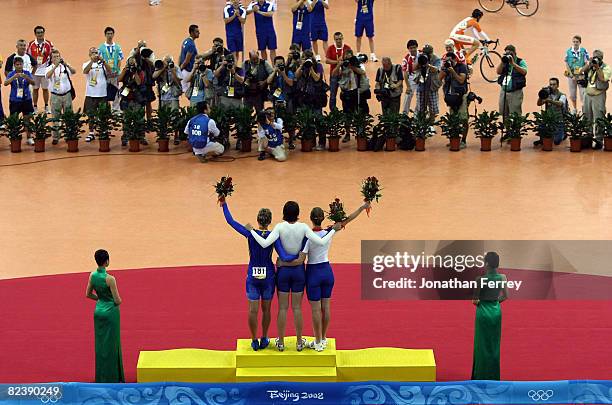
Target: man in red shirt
pixel 333 56
pixel 408 65
pixel 40 49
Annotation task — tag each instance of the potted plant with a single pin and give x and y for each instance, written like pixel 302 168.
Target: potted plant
pixel 307 125
pixel 163 124
pixel 333 126
pixel 546 124
pixel 421 126
pixel 223 118
pixel 134 127
pixel 516 127
pixel 13 128
pixel 389 126
pixel 486 125
pixel 453 125
pixel 244 122
pixel 38 125
pixel 578 128
pixel 103 121
pixel 71 125
pixel 604 125
pixel 361 125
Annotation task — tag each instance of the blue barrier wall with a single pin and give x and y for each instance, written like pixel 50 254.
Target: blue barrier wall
pixel 456 393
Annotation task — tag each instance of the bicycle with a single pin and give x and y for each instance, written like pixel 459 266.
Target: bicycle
pixel 489 60
pixel 526 8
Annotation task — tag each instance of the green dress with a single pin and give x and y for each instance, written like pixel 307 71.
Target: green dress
pixel 109 363
pixel 487 336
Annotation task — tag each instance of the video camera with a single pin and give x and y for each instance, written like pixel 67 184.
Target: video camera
pixel 544 93
pixel 355 61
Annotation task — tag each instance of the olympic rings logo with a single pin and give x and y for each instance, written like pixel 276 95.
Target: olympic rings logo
pixel 540 395
pixel 51 399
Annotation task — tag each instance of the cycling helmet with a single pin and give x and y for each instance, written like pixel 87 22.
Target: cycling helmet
pixel 477 13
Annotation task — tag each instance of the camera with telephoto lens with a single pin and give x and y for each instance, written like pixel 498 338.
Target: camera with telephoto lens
pixel 544 93
pixel 171 65
pixel 281 67
pixel 219 49
pixel 596 62
pixel 132 69
pixel 448 64
pixel 294 55
pixel 146 53
pixel 307 65
pixel 382 94
pixel 471 97
pixel 202 68
pixel 507 58
pixel 361 58
pixel 159 64
pixel 230 62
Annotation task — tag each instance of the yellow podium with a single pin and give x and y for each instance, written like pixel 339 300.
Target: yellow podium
pixel 246 365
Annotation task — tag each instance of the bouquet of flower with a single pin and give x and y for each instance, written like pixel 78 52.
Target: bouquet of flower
pixel 336 211
pixel 370 189
pixel 224 188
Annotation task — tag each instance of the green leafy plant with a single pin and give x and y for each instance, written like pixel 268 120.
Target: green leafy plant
pixel 332 124
pixel 244 123
pixel 604 125
pixel 13 127
pixel 289 119
pixel 71 124
pixel 422 123
pixel 103 121
pixel 487 124
pixel 389 124
pixel 547 122
pixel 38 125
pixel 306 122
pixel 134 124
pixel 577 126
pixel 223 117
pixel 182 117
pixel 516 126
pixel 163 122
pixel 360 124
pixel 452 125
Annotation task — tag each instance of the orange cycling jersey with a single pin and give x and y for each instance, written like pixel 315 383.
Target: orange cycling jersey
pixel 468 24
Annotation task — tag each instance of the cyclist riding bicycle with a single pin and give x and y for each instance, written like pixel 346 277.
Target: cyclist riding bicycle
pixel 469 32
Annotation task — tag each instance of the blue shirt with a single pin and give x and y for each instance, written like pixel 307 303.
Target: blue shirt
pixel 365 5
pixel 201 96
pixel 264 24
pixel 318 15
pixel 197 131
pixel 187 47
pixel 234 28
pixel 258 256
pixel 275 138
pixel 281 84
pixel 20 84
pixel 302 15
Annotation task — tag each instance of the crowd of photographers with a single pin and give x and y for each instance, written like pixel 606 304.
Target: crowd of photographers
pixel 289 83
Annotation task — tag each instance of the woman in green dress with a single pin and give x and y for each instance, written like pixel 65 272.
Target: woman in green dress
pixel 109 362
pixel 487 336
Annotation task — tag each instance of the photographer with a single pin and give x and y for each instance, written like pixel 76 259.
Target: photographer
pixel 551 98
pixel 310 84
pixel 168 79
pixel 281 83
pixel 200 83
pixel 270 136
pixel 58 75
pixel 333 57
pixel 294 58
pixel 408 66
pixel 145 60
pixel 132 90
pixel 454 75
pixel 96 71
pixel 576 57
pixel 354 85
pixel 598 76
pixel 256 72
pixel 428 81
pixel 512 78
pixel 389 86
pixel 214 57
pixel 230 80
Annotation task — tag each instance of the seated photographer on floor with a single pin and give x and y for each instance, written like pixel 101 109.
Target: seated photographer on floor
pixel 200 81
pixel 551 98
pixel 454 75
pixel 256 72
pixel 389 86
pixel 354 85
pixel 270 136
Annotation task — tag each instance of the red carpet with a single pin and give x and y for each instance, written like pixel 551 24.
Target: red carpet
pixel 47 325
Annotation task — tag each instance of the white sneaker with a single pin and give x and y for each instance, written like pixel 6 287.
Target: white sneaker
pixel 30 141
pixel 280 346
pixel 301 345
pixel 373 57
pixel 324 343
pixel 48 110
pixel 35 109
pixel 318 58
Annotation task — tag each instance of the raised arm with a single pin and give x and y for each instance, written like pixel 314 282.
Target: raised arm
pixel 355 214
pixel 272 237
pixel 228 218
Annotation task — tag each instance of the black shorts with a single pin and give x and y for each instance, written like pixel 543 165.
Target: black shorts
pixel 92 103
pixel 24 107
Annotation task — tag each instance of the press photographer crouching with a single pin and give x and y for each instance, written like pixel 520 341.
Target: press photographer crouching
pixel 454 75
pixel 512 78
pixel 551 98
pixel 133 90
pixel 389 86
pixel 354 85
pixel 270 136
pixel 598 75
pixel 230 81
pixel 256 72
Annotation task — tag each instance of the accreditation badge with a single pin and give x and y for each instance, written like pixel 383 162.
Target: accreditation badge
pixel 125 92
pixel 111 63
pixel 258 273
pixel 19 92
pixel 277 92
pixel 364 9
pixel 39 60
pixel 56 85
pixel 298 26
pixel 165 88
pixel 93 81
pixel 230 91
pixel 195 92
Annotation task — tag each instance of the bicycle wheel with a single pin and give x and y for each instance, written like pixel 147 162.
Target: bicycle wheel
pixel 492 6
pixel 527 8
pixel 488 66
